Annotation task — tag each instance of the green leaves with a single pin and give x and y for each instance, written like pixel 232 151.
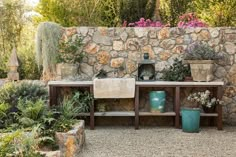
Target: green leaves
pixel 10 92
pixel 70 51
pixel 216 13
pixel 3 111
pixel 176 72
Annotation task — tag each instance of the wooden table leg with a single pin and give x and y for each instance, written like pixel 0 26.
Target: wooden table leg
pixel 92 111
pixel 177 106
pixel 219 108
pixel 52 95
pixel 137 107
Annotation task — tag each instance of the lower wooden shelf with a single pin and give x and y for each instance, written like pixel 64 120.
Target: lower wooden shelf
pixel 111 113
pixel 157 114
pixel 207 114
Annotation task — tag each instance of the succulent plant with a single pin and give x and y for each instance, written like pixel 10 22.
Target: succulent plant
pixel 200 51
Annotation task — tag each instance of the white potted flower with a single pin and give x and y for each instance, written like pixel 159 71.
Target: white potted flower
pixel 207 102
pixel 191 116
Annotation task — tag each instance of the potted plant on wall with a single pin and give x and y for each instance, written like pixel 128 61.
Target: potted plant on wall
pixel 69 56
pixel 201 58
pixel 191 116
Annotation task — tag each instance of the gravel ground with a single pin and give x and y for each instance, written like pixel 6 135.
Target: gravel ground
pixel 159 142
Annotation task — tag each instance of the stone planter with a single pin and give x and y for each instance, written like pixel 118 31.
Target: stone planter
pixel 71 143
pixel 66 71
pixel 201 70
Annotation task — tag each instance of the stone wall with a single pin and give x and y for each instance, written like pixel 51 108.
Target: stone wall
pixel 117 51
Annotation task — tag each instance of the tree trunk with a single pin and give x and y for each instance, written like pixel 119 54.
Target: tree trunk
pixel 156 12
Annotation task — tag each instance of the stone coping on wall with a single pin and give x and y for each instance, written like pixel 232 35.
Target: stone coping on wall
pixel 72 142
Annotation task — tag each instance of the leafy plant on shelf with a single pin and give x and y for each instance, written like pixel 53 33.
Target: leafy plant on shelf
pixel 70 51
pixel 177 71
pixel 201 51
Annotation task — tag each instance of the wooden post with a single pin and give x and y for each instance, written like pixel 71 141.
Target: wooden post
pixel 137 107
pixel 177 106
pixel 92 111
pixel 52 95
pixel 219 108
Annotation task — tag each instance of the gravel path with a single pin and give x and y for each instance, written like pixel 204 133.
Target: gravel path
pixel 159 142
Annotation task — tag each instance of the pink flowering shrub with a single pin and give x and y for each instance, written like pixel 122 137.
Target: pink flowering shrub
pixel 144 23
pixel 190 20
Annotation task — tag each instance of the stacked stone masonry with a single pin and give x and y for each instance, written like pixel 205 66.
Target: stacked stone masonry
pixel 118 50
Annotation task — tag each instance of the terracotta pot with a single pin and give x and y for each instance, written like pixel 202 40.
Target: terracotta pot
pixel 201 70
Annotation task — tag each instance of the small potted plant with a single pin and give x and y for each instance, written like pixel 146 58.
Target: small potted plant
pixel 205 99
pixel 177 71
pixel 69 56
pixel 201 58
pixel 191 116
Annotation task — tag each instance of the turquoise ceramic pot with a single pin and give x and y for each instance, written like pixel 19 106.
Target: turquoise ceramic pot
pixel 157 101
pixel 190 119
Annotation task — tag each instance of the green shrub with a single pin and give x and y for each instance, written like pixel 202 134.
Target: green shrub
pixel 28 68
pixel 216 13
pixel 11 92
pixel 20 144
pixel 3 70
pixel 177 72
pixel 3 113
pixel 31 113
pixel 170 10
pixel 133 10
pixel 70 51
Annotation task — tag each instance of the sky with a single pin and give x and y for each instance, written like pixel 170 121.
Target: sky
pixel 32 2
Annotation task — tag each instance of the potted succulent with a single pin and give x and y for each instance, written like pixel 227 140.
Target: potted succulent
pixel 191 116
pixel 201 58
pixel 69 56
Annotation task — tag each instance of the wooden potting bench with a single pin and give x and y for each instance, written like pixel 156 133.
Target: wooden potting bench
pixel 176 86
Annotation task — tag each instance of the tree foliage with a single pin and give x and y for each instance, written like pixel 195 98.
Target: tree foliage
pixel 108 13
pixel 11 24
pixel 217 12
pixel 28 68
pixel 133 10
pixel 80 13
pixel 170 10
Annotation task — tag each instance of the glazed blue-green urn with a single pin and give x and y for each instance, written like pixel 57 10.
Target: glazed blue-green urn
pixel 190 119
pixel 157 101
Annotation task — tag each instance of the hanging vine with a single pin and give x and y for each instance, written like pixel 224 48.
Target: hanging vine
pixel 47 46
